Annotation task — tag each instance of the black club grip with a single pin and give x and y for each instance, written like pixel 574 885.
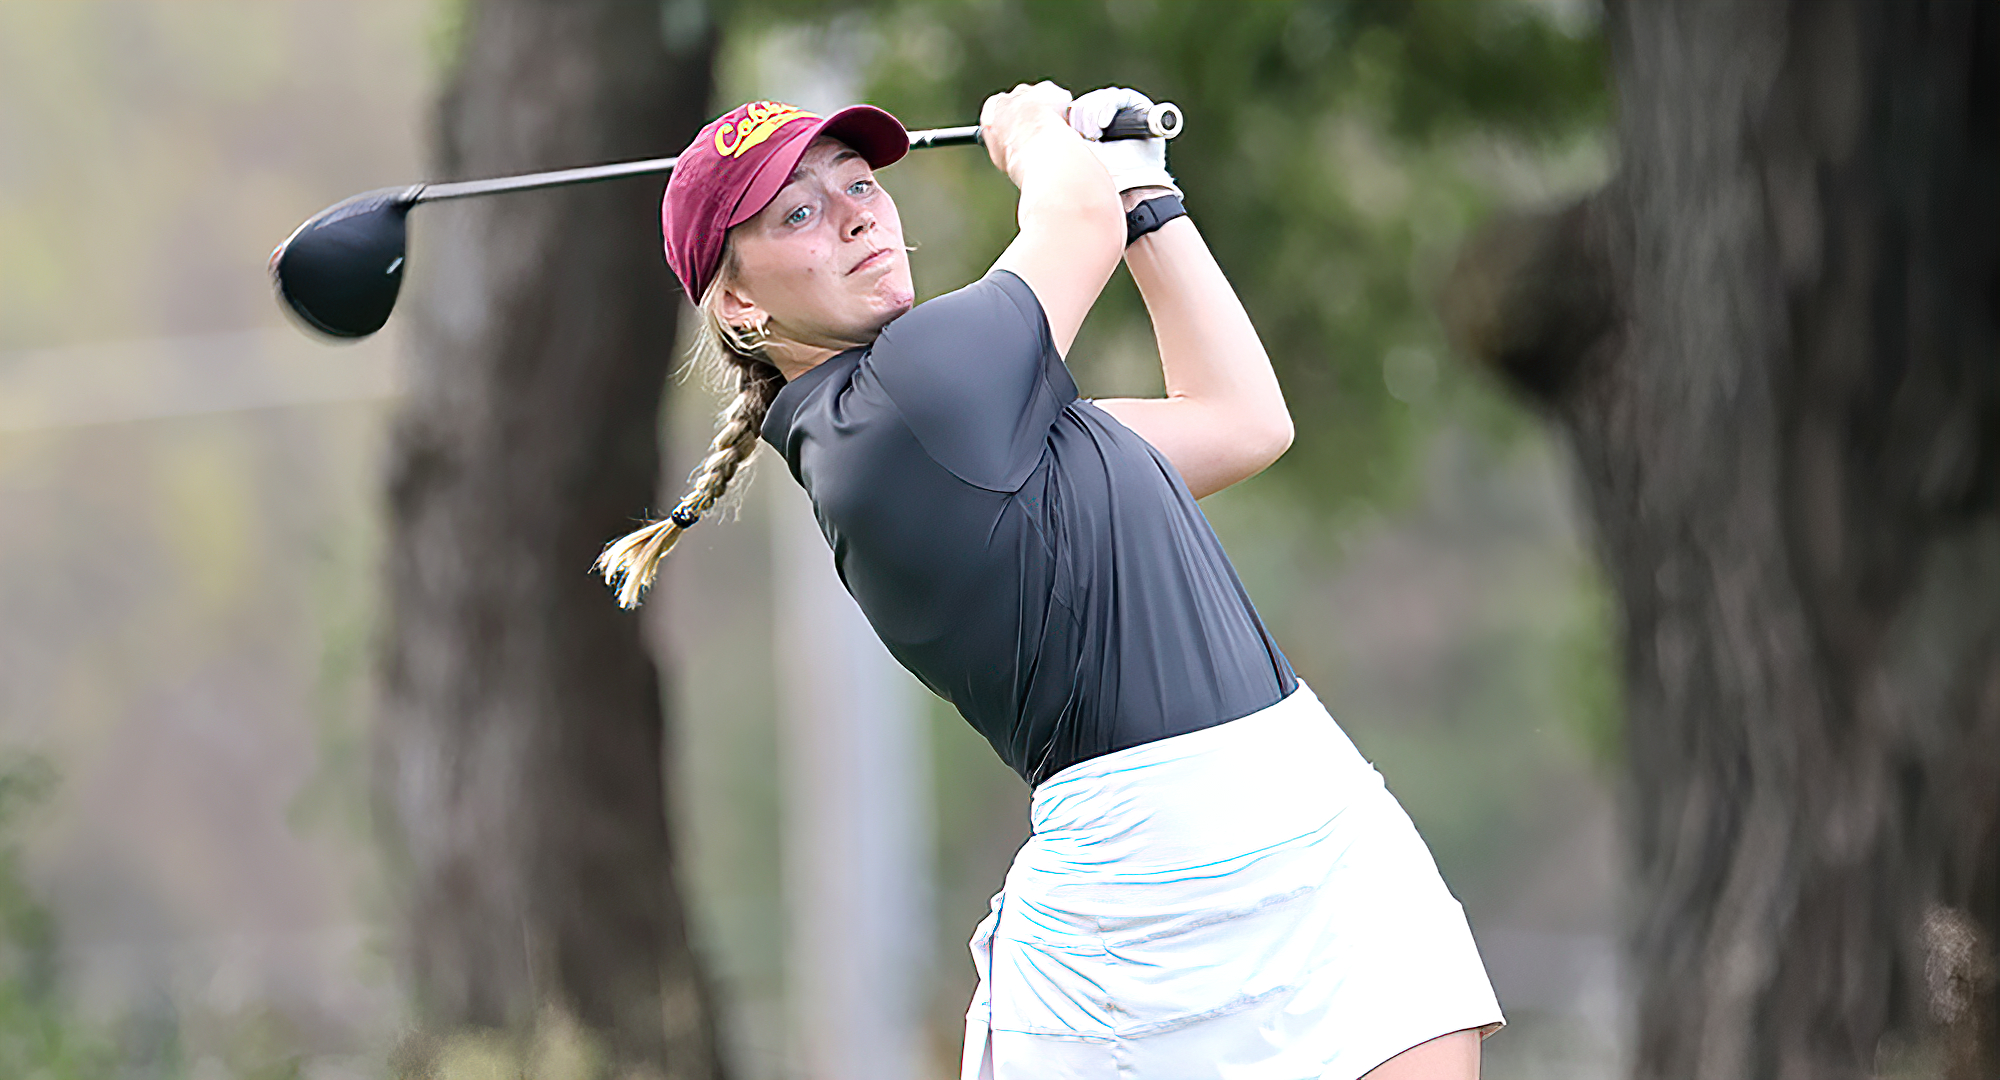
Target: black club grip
pixel 1163 121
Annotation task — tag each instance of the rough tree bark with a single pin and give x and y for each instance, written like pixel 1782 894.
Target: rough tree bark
pixel 1773 343
pixel 521 736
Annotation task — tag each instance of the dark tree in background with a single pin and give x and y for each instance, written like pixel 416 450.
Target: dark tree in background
pixel 1773 341
pixel 521 732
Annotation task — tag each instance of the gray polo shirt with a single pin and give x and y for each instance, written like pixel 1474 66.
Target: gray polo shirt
pixel 1031 559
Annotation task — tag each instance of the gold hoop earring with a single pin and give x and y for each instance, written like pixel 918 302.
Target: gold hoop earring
pixel 753 338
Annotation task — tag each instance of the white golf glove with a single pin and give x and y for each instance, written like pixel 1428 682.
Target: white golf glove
pixel 1132 163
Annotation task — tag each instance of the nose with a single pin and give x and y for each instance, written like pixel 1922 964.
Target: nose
pixel 860 220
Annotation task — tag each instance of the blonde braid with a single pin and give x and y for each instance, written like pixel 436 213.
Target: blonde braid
pixel 630 562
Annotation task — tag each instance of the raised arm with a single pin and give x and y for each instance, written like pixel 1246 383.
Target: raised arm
pixel 1072 226
pixel 1223 418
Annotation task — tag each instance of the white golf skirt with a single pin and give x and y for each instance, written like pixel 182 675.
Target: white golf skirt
pixel 1244 902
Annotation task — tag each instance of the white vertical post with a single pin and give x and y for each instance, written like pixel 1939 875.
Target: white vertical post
pixel 856 818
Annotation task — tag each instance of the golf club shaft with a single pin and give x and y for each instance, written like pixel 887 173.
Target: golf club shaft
pixel 527 182
pixel 953 136
pixel 919 140
pixel 1164 120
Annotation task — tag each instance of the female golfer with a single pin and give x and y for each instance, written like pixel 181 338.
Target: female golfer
pixel 1217 884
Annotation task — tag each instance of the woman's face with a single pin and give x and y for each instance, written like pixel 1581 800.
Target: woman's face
pixel 825 259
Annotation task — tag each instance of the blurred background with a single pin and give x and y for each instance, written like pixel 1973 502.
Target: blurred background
pixel 202 873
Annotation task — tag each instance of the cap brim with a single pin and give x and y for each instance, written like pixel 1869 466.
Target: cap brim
pixel 878 137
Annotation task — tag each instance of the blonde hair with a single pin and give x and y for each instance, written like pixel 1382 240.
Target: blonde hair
pixel 729 358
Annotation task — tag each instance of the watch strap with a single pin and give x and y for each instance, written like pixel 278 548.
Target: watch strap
pixel 1152 214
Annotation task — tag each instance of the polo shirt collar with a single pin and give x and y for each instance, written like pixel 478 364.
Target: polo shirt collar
pixel 785 407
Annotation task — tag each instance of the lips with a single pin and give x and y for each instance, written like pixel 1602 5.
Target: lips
pixel 872 259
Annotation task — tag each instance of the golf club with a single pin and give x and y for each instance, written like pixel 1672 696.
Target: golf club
pixel 341 270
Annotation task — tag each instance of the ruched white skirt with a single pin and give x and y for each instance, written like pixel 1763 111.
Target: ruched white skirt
pixel 1245 902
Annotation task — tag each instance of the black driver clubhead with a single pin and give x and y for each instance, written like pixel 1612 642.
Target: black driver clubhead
pixel 340 271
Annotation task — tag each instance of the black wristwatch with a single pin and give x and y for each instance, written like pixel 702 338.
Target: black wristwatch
pixel 1152 214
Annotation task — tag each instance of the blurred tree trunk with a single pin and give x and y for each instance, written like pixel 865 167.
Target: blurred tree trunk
pixel 521 736
pixel 1773 341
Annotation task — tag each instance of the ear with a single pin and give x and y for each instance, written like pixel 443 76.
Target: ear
pixel 739 310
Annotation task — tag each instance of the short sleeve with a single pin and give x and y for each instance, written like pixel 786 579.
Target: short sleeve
pixel 977 378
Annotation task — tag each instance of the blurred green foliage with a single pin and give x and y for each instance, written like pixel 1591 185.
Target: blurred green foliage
pixel 39 1038
pixel 1326 158
pixel 43 1036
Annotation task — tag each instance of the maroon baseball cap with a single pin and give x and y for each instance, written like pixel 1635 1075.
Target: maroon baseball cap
pixel 734 168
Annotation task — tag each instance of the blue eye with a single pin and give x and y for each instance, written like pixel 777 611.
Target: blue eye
pixel 861 186
pixel 798 216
